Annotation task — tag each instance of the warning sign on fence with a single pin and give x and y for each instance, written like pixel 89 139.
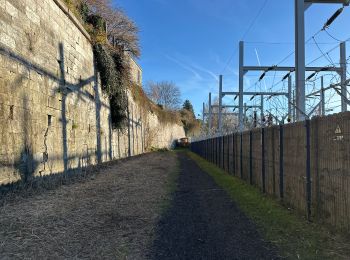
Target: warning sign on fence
pixel 338 130
pixel 338 134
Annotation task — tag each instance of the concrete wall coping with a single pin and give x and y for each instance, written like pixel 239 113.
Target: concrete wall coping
pixel 72 17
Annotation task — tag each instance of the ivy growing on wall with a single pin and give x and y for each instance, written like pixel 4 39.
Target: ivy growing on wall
pixel 115 78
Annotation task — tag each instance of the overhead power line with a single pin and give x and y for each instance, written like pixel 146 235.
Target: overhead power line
pixel 254 20
pixel 326 55
pixel 229 60
pixel 245 34
pixel 325 26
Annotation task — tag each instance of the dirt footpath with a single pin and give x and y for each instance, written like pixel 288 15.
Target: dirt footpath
pixel 111 216
pixel 203 223
pixel 117 215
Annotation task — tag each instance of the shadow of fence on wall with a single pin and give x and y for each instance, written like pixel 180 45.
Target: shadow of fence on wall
pixel 25 164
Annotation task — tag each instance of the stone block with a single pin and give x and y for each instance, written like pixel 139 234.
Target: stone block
pixel 54 102
pixel 11 10
pixel 7 40
pixel 3 26
pixel 23 71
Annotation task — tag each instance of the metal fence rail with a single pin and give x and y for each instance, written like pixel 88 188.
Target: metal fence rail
pixel 305 164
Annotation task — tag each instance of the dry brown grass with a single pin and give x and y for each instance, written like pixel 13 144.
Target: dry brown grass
pixel 112 215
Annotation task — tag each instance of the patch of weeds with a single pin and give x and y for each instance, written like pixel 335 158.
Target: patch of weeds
pixel 155 149
pixel 294 236
pixel 180 149
pixel 122 252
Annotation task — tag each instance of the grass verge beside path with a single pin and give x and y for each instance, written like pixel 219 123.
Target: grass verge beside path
pixel 295 238
pixel 171 184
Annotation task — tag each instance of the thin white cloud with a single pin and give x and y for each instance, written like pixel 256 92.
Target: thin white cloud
pixel 185 66
pixel 221 64
pixel 212 74
pixel 200 82
pixel 193 67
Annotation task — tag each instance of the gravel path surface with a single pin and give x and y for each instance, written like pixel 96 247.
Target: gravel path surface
pixel 203 223
pixel 111 216
pixel 116 214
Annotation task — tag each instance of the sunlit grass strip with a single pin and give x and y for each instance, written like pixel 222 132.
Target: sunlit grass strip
pixel 171 184
pixel 293 235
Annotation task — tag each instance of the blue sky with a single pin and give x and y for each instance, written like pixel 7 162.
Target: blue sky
pixel 190 42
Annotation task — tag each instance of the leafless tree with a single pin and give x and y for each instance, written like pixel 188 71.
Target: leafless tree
pixel 120 28
pixel 164 93
pixel 229 121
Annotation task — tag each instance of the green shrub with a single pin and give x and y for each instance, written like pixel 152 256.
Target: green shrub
pixel 97 21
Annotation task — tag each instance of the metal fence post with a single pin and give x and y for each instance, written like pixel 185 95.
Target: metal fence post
pixel 228 154
pixel 251 157
pixel 225 155
pixel 241 156
pixel 202 148
pixel 263 159
pixel 217 150
pixel 207 149
pixel 233 154
pixel 281 163
pixel 219 147
pixel 222 152
pixel 308 169
pixel 211 150
pixel 214 150
pixel 214 154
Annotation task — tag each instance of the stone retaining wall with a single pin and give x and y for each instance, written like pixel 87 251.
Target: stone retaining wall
pixel 53 114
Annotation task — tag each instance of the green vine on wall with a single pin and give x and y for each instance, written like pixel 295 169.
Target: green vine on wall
pixel 115 78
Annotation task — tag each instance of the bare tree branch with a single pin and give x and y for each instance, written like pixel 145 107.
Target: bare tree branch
pixel 119 27
pixel 164 93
